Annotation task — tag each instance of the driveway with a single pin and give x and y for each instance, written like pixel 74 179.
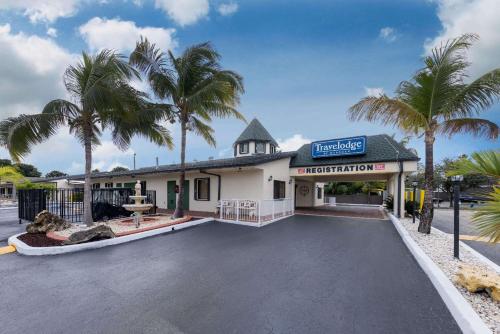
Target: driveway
pixel 443 220
pixel 304 274
pixel 9 224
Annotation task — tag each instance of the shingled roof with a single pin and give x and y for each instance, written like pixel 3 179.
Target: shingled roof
pixel 255 131
pixel 379 148
pixel 250 160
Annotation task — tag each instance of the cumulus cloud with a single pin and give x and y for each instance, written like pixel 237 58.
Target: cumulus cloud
pixel 121 35
pixel 104 157
pixel 374 91
pixel 184 12
pixel 471 16
pixel 388 34
pixel 42 10
pixel 292 143
pixel 32 76
pixel 52 32
pixel 226 9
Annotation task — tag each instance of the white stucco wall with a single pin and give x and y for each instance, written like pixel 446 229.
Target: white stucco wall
pixel 280 171
pixel 246 184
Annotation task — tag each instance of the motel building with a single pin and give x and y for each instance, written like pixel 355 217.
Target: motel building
pixel 260 184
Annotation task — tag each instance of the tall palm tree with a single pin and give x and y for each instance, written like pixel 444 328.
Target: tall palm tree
pixel 101 98
pixel 437 100
pixel 194 89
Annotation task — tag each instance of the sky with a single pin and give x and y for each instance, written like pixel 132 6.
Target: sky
pixel 304 63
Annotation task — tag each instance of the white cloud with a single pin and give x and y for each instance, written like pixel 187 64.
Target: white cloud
pixel 226 9
pixel 472 16
pixel 184 12
pixel 52 32
pixel 32 76
pixel 42 10
pixel 107 151
pixel 374 91
pixel 225 152
pixel 75 168
pixel 105 157
pixel 293 143
pixel 122 35
pixel 388 34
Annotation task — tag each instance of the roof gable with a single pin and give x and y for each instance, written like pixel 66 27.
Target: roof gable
pixel 255 131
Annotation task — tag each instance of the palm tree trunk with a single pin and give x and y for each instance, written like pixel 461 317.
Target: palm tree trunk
pixel 179 210
pixel 427 209
pixel 87 190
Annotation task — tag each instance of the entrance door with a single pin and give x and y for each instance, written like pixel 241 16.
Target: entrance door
pixel 171 195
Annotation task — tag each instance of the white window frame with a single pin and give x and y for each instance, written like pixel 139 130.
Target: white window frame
pixel 196 189
pixel 263 146
pixel 244 148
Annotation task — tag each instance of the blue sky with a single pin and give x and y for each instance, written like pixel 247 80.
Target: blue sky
pixel 304 62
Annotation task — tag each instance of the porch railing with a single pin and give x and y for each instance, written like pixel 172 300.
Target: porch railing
pixel 255 211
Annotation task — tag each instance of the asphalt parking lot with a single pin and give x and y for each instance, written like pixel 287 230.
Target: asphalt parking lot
pixel 304 274
pixel 9 224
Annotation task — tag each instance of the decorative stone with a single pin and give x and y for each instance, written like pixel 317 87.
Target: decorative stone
pixel 479 279
pixel 96 233
pixel 46 221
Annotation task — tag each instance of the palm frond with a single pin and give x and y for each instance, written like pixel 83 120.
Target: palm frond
pixel 486 219
pixel 388 112
pixel 474 126
pixel 203 130
pixel 485 163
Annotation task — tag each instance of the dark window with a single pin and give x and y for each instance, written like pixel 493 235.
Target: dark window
pixel 118 185
pixel 279 189
pixel 272 148
pixel 202 189
pixel 260 147
pixel 243 148
pixel 108 185
pixel 96 186
pixel 320 193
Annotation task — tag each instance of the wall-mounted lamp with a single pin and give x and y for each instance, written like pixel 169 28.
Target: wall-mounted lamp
pixel 290 181
pixel 270 178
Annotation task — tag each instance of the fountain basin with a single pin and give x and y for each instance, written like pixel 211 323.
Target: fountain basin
pixel 137 207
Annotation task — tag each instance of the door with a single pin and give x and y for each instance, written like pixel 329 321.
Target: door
pixel 171 195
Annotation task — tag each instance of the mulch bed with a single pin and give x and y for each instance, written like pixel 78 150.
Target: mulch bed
pixel 38 240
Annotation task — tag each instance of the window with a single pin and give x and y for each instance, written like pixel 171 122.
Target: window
pixel 202 189
pixel 272 149
pixel 118 185
pixel 260 147
pixel 108 185
pixel 243 148
pixel 279 189
pixel 320 193
pixel 96 186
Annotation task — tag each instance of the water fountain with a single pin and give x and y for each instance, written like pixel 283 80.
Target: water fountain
pixel 138 207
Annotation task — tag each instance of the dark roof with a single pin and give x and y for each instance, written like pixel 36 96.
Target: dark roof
pixel 250 160
pixel 378 148
pixel 47 179
pixel 255 131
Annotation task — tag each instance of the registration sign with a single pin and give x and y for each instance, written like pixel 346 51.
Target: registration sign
pixel 338 147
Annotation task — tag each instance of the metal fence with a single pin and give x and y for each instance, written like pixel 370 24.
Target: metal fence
pixel 253 211
pixel 68 203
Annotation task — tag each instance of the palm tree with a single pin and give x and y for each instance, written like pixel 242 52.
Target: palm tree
pixel 101 99
pixel 437 100
pixel 487 217
pixel 194 88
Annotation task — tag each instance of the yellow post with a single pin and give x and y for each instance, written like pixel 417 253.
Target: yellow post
pixel 421 199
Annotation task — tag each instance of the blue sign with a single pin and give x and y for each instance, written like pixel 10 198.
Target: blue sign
pixel 338 147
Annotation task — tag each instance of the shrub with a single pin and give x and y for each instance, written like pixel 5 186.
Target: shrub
pixel 389 203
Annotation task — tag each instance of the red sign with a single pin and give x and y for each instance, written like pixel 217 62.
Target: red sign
pixel 379 166
pixel 301 170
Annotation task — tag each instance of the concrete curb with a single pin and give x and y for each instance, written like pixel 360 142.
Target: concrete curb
pixel 24 249
pixel 474 252
pixel 465 316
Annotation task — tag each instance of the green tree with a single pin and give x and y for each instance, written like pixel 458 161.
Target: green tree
pixel 28 170
pixel 119 169
pixel 101 98
pixel 11 175
pixel 487 217
pixel 55 173
pixel 437 100
pixel 5 162
pixel 195 89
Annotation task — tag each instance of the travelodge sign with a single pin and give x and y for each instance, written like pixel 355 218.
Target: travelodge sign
pixel 338 147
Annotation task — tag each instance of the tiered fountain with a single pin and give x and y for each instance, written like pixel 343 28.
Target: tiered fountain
pixel 138 207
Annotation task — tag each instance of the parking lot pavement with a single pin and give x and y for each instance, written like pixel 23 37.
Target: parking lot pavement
pixel 9 224
pixel 304 274
pixel 443 220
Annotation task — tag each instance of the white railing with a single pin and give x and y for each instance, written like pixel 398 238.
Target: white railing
pixel 255 211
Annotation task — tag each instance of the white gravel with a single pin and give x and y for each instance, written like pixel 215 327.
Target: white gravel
pixel 439 247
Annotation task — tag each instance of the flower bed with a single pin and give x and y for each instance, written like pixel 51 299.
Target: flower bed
pixel 439 247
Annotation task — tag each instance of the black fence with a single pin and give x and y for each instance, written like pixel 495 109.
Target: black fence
pixel 68 203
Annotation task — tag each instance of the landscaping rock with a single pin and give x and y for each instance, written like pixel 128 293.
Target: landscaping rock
pixel 46 221
pixel 478 279
pixel 96 233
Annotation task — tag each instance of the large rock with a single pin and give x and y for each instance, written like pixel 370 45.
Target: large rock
pixel 476 279
pixel 46 221
pixel 96 233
